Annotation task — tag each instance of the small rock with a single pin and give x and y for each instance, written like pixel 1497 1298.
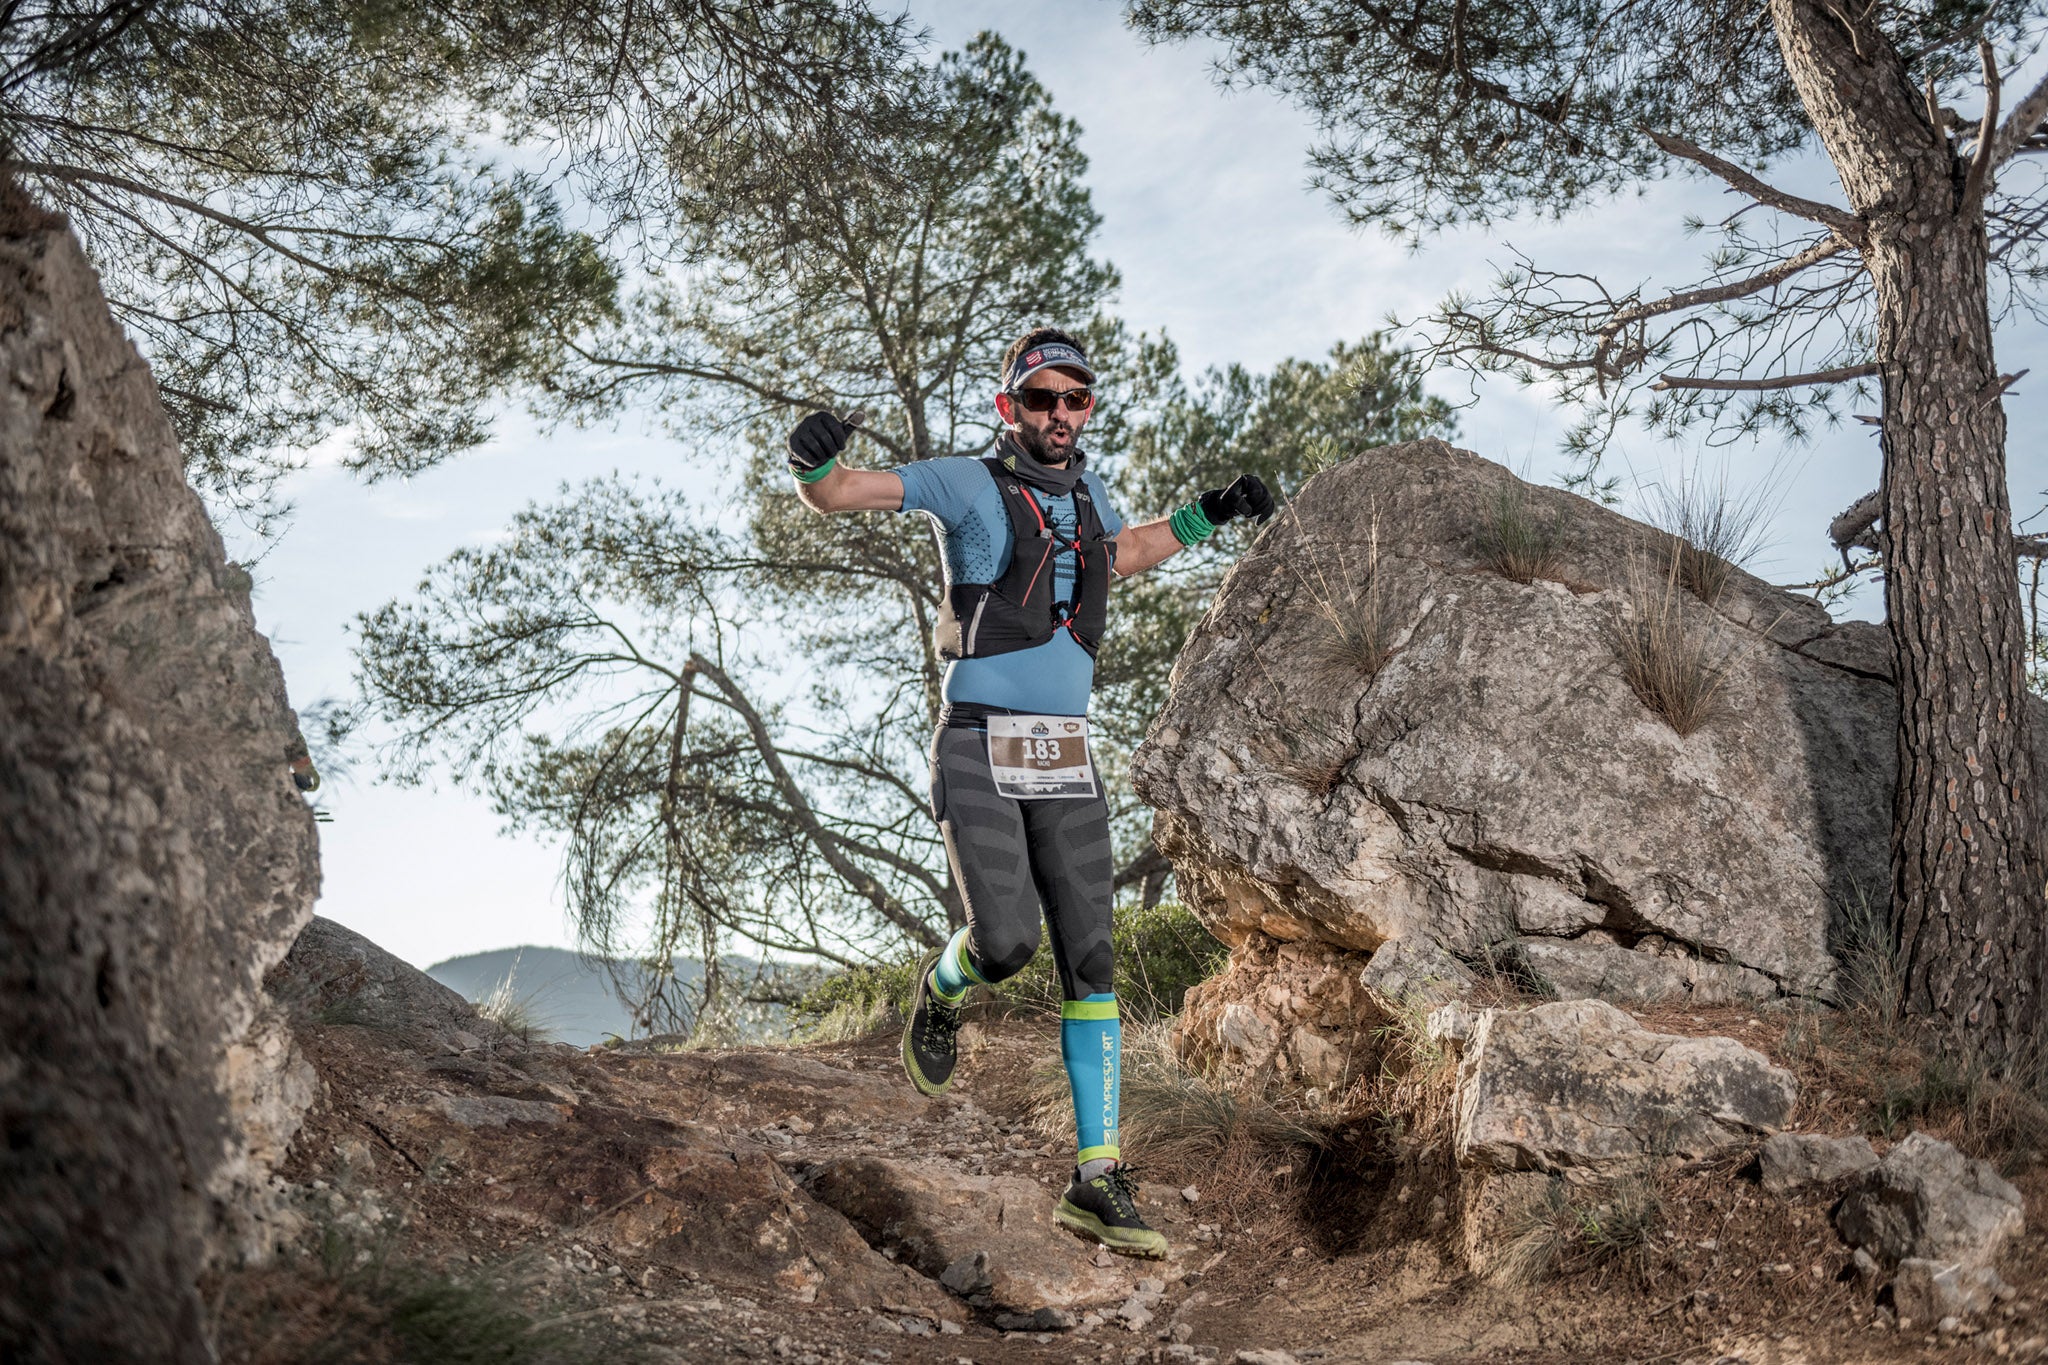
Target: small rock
pixel 1154 1287
pixel 1789 1162
pixel 1041 1320
pixel 886 1326
pixel 1182 1331
pixel 1102 1258
pixel 1191 1195
pixel 1266 1357
pixel 950 1328
pixel 1135 1314
pixel 968 1275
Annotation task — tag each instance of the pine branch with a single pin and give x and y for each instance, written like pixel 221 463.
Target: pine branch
pixel 2022 125
pixel 1667 382
pixel 1980 160
pixel 1846 225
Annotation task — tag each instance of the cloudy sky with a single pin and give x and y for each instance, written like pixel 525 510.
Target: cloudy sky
pixel 1207 215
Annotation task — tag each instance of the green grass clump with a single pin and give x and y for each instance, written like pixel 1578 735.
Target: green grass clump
pixel 1517 539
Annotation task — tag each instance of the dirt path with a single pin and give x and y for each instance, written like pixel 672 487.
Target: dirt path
pixel 674 1203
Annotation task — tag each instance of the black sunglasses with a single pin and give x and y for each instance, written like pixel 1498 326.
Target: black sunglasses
pixel 1045 400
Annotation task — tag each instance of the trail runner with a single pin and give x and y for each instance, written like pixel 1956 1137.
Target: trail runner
pixel 1030 541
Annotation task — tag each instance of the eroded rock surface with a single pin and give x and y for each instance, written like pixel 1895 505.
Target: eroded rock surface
pixel 155 859
pixel 1496 790
pixel 1580 1085
pixel 989 1239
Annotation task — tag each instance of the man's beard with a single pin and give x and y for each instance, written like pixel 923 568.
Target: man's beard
pixel 1042 450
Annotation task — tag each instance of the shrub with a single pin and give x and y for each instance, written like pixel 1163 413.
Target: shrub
pixel 1667 649
pixel 858 1001
pixel 1160 954
pixel 1517 539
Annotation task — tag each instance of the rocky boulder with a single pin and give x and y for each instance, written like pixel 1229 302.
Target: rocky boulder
pixel 1579 1085
pixel 333 975
pixel 155 859
pixel 1375 737
pixel 1928 1201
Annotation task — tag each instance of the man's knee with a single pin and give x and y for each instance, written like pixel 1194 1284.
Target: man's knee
pixel 1090 973
pixel 1000 956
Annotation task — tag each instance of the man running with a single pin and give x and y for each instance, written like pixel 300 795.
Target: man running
pixel 1029 541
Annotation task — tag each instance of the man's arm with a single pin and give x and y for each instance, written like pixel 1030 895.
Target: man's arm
pixel 1138 548
pixel 853 490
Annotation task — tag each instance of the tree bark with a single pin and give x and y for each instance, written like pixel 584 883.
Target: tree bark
pixel 1967 870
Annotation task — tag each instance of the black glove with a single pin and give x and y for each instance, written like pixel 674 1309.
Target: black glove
pixel 1246 497
pixel 815 442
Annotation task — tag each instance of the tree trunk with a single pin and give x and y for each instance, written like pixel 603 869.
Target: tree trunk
pixel 1967 870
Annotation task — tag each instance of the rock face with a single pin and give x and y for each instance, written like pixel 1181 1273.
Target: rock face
pixel 1928 1201
pixel 155 859
pixel 1496 791
pixel 1580 1085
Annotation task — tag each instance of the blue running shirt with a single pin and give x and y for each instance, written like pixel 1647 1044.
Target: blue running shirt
pixel 966 509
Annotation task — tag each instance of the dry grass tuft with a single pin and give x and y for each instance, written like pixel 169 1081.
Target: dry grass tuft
pixel 1667 648
pixel 512 1010
pixel 1717 530
pixel 1355 624
pixel 1519 540
pixel 1571 1229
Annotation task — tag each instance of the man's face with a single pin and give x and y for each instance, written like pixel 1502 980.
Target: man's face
pixel 1049 436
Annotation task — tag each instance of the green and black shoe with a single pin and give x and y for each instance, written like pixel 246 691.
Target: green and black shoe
pixel 1105 1210
pixel 929 1046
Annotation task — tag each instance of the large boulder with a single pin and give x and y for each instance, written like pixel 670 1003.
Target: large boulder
pixel 155 859
pixel 1495 790
pixel 1578 1085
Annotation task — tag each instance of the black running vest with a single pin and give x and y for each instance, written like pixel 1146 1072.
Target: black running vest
pixel 1018 610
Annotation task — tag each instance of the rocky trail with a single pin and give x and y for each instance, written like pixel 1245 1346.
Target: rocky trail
pixel 806 1205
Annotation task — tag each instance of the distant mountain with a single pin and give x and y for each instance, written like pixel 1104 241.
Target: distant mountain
pixel 568 996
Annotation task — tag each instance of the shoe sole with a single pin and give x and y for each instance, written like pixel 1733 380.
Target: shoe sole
pixel 1123 1241
pixel 924 1085
pixel 917 1077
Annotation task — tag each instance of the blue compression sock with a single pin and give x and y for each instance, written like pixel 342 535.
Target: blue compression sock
pixel 953 973
pixel 1091 1045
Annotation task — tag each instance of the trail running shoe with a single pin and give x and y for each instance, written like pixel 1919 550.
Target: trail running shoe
pixel 929 1048
pixel 1106 1210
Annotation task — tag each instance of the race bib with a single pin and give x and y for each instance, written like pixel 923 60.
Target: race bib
pixel 1035 758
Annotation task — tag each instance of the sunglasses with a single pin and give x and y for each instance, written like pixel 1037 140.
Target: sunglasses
pixel 1045 400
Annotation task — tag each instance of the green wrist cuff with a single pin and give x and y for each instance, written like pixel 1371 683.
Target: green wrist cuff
pixel 1190 527
pixel 813 475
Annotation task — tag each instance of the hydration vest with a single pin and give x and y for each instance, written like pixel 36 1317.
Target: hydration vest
pixel 1018 610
